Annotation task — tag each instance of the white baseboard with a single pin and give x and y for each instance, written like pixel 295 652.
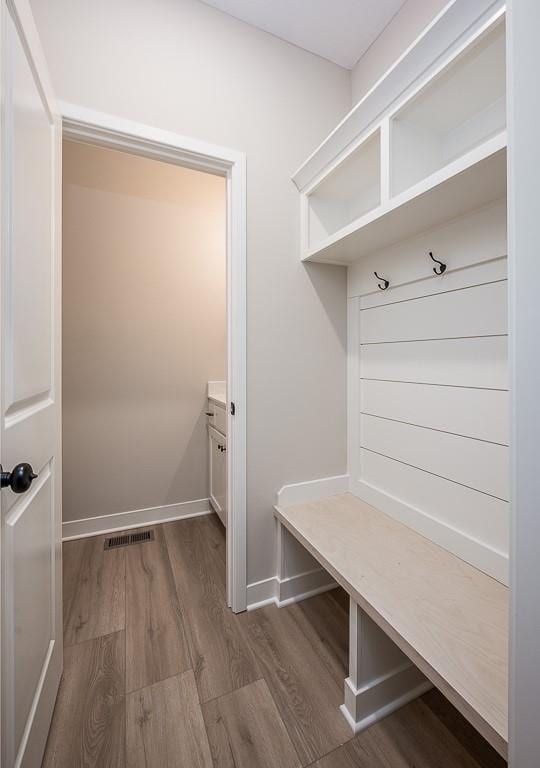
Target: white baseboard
pixel 261 593
pixel 293 589
pixel 122 521
pixel 382 696
pixel 297 493
pixel 296 588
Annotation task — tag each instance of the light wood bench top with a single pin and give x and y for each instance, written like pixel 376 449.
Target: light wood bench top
pixel 448 617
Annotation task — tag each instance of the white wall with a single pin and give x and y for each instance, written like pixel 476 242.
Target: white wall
pixel 144 329
pixel 406 25
pixel 183 66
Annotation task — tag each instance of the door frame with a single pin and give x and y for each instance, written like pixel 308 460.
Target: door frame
pixel 523 57
pixel 82 124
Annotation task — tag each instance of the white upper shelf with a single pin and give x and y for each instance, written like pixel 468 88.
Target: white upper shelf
pixel 470 183
pixel 437 151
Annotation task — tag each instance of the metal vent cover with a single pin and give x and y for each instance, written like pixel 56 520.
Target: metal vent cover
pixel 125 539
pixel 140 536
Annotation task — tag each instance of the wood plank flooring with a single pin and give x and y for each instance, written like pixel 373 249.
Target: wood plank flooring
pixel 307 695
pixel 221 656
pixel 245 730
pixel 93 590
pixel 89 721
pixel 158 673
pixel 156 643
pixel 165 726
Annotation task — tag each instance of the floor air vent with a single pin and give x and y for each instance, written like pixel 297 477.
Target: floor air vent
pixel 125 539
pixel 140 536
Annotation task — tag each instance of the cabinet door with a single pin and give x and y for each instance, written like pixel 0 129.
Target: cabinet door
pixel 220 418
pixel 218 473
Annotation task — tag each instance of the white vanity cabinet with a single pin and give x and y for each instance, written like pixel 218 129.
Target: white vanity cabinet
pixel 217 458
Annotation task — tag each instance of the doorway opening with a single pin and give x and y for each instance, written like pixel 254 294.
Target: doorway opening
pixel 154 333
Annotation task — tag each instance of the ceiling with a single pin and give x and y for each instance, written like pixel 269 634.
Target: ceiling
pixel 338 30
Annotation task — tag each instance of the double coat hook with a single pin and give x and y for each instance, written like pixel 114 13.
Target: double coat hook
pixel 442 267
pixel 438 270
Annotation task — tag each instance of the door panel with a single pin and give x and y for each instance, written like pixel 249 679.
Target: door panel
pixel 30 391
pixel 29 335
pixel 28 537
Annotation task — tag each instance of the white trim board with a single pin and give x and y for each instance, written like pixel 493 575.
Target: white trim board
pixel 81 124
pixel 524 274
pixel 136 518
pixel 375 700
pixel 311 490
pixel 293 589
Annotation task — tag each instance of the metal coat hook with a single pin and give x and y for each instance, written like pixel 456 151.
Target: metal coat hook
pixel 440 271
pixel 385 282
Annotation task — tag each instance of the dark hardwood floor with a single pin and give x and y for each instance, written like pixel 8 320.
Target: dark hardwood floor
pixel 158 673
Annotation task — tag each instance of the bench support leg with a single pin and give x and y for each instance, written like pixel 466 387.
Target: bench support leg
pixel 381 678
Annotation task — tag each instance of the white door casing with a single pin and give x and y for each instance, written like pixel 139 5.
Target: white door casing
pixel 83 124
pixel 523 56
pixel 30 428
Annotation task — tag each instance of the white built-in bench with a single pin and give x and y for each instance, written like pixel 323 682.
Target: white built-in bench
pixel 447 617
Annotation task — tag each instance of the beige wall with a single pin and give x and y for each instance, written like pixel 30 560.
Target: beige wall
pixel 406 25
pixel 183 66
pixel 144 328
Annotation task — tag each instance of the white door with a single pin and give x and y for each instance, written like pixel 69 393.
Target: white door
pixel 31 612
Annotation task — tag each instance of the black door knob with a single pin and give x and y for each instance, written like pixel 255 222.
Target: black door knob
pixel 19 480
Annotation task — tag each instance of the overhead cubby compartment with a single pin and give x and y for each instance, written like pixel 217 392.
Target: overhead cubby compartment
pixel 461 108
pixel 347 193
pixel 436 152
pixel 466 185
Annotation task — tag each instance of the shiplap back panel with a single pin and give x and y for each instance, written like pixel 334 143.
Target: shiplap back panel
pixel 473 362
pixel 430 421
pixel 449 315
pixel 470 517
pixel 478 413
pixel 474 463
